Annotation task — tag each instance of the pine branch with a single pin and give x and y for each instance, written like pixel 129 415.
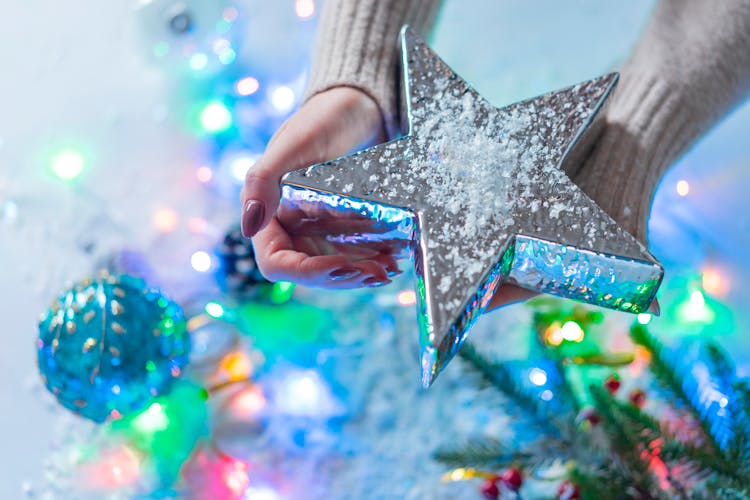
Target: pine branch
pixel 720 365
pixel 684 389
pixel 489 452
pixel 625 440
pixel 498 376
pixel 739 409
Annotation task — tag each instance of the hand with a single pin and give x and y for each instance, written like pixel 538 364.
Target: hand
pixel 327 126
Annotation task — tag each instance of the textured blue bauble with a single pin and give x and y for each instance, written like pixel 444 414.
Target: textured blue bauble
pixel 108 346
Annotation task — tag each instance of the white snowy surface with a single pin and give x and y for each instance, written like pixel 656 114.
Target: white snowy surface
pixel 76 71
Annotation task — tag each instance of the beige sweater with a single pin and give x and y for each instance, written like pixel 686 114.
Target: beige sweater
pixel 689 68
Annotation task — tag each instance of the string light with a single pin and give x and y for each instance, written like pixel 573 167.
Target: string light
pixel 236 478
pixel 546 395
pixel 572 331
pixel 240 165
pixel 553 334
pixel 260 493
pixel 282 98
pixel 714 283
pixel 683 188
pixel 248 403
pixel 198 61
pixel 538 376
pixel 68 164
pixel 304 8
pixel 406 298
pixel 247 86
pixel 215 310
pixel 204 174
pixel 215 117
pixel 152 420
pixel 200 261
pixel 236 366
pixel 165 220
pixel 644 319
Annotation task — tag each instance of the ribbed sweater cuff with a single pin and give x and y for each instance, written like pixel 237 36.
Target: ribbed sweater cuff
pixel 647 126
pixel 357 47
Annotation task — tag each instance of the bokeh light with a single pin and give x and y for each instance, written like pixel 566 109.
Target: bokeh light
pixel 644 319
pixel 165 220
pixel 201 261
pixel 68 164
pixel 198 61
pixel 260 493
pixel 247 86
pixel 282 98
pixel 240 165
pixel 304 9
pixel 153 419
pixel 215 117
pixel 572 331
pixel 714 282
pixel 683 188
pixel 204 174
pixel 406 298
pixel 214 309
pixel 538 376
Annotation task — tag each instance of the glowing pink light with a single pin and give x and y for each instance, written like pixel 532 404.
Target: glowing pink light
pixel 406 298
pixel 204 174
pixel 247 86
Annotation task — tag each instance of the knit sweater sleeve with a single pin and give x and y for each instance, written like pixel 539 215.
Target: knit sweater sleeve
pixel 357 47
pixel 690 67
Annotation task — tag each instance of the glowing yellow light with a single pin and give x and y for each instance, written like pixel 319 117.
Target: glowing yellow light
pixel 644 319
pixel 154 419
pixel 553 334
pixel 406 298
pixel 204 174
pixel 247 86
pixel 683 188
pixel 282 98
pixel 714 283
pixel 236 365
pixel 538 376
pixel 201 261
pixel 572 331
pixel 68 164
pixel 215 117
pixel 304 8
pixel 165 220
pixel 198 61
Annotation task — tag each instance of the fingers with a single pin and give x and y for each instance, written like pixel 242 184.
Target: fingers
pixel 329 125
pixel 509 294
pixel 278 259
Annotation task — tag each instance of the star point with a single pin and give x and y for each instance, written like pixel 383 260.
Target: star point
pixel 476 196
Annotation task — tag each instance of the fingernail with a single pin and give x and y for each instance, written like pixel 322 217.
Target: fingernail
pixel 393 274
pixel 373 282
pixel 344 273
pixel 654 308
pixel 252 217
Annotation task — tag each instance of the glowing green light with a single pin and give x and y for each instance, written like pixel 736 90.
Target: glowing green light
pixel 696 310
pixel 215 117
pixel 227 56
pixel 161 49
pixel 223 26
pixel 214 310
pixel 68 164
pixel 152 420
pixel 282 292
pixel 198 61
pixel 150 366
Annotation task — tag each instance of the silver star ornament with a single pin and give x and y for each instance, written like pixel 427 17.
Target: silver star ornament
pixel 476 196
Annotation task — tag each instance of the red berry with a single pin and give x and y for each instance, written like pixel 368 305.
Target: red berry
pixel 589 415
pixel 489 490
pixel 512 479
pixel 638 398
pixel 568 491
pixel 612 383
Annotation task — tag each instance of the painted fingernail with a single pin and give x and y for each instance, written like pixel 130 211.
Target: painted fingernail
pixel 373 282
pixel 393 274
pixel 252 217
pixel 344 273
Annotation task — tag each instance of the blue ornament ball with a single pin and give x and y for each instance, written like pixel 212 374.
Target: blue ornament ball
pixel 108 346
